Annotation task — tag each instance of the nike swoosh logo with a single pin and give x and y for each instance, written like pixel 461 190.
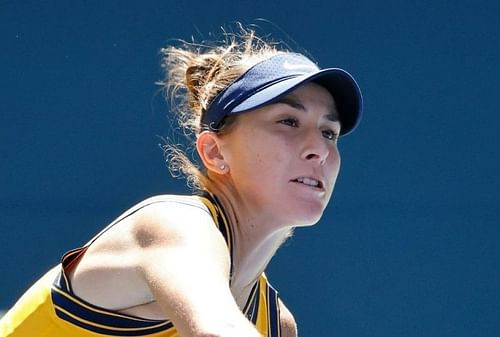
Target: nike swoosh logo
pixel 291 66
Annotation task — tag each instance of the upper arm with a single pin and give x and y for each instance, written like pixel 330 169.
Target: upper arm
pixel 287 321
pixel 184 261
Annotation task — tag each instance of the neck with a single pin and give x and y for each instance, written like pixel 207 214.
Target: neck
pixel 256 237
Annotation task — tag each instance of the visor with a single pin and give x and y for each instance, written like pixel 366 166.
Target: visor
pixel 277 76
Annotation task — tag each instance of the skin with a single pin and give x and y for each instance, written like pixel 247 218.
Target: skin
pixel 172 262
pixel 299 127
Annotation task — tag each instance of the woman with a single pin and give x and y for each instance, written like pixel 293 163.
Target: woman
pixel 266 123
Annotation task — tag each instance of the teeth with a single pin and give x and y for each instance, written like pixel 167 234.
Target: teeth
pixel 308 181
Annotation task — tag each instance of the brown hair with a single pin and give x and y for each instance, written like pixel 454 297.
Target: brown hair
pixel 194 75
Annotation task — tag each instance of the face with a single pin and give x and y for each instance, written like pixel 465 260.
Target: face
pixel 283 158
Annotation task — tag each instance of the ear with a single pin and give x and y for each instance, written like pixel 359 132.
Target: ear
pixel 208 147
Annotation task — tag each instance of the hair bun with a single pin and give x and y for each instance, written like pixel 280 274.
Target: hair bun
pixel 198 75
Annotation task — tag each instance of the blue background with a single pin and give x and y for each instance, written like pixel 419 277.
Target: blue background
pixel 410 244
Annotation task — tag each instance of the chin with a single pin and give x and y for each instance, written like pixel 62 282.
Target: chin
pixel 309 217
pixel 309 222
pixel 303 211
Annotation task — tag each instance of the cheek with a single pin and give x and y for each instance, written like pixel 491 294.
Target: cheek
pixel 268 149
pixel 266 160
pixel 262 153
pixel 276 152
pixel 265 163
pixel 334 164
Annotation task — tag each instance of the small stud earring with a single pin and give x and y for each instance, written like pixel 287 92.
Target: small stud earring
pixel 222 166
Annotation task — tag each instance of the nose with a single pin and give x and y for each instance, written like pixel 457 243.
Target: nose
pixel 316 148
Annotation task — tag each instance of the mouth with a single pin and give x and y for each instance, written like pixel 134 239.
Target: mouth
pixel 309 181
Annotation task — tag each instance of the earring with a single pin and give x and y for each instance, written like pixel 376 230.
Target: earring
pixel 222 166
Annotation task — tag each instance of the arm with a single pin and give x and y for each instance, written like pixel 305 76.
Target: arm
pixel 287 321
pixel 184 261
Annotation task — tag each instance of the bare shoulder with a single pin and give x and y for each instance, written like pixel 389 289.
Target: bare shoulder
pixel 156 230
pixel 182 227
pixel 170 220
pixel 184 261
pixel 160 220
pixel 287 321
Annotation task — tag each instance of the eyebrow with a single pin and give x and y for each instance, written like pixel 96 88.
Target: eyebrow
pixel 296 104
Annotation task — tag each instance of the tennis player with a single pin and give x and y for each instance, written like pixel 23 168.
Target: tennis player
pixel 266 123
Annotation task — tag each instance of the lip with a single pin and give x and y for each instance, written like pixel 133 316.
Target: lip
pixel 320 187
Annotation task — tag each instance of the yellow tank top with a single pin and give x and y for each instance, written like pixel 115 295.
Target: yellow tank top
pixel 49 307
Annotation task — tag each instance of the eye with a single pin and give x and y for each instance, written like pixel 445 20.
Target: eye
pixel 294 123
pixel 330 134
